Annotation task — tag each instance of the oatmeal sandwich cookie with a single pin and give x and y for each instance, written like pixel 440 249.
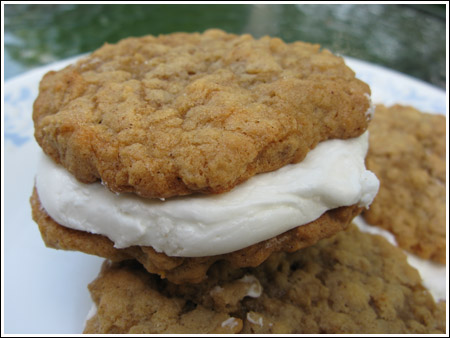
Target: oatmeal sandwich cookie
pixel 185 149
pixel 350 283
pixel 407 153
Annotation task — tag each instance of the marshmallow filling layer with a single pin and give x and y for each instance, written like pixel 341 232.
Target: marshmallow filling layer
pixel 332 175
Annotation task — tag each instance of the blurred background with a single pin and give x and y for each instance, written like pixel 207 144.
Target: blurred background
pixel 408 38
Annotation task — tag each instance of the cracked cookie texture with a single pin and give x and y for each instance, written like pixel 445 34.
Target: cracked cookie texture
pixel 407 153
pixel 350 283
pixel 195 112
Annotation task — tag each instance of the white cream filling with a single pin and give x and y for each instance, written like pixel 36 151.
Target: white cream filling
pixel 230 322
pixel 332 175
pixel 254 287
pixel 257 321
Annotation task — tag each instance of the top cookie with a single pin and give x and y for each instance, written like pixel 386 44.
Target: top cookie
pixel 183 113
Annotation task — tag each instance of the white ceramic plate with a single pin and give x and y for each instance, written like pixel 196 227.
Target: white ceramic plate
pixel 45 290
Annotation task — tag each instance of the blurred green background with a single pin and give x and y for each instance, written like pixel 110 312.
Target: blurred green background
pixel 407 38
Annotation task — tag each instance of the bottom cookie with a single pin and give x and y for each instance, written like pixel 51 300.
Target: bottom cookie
pixel 350 283
pixel 190 269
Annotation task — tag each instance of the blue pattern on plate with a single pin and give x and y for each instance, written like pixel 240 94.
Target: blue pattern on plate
pixel 17 119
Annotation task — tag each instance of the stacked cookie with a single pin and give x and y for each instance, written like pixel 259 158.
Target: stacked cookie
pixel 208 158
pixel 407 153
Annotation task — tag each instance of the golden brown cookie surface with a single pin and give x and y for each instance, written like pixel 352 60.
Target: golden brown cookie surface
pixel 182 113
pixel 186 269
pixel 350 283
pixel 407 153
